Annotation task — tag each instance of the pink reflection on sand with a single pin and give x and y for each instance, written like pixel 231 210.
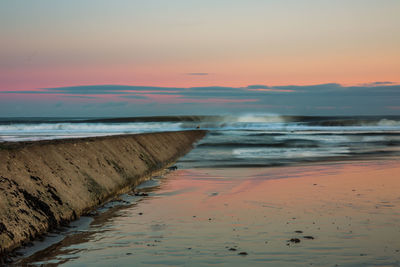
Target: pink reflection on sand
pixel 342 213
pixel 302 186
pixel 323 193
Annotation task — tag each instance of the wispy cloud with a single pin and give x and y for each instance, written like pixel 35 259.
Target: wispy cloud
pixel 81 96
pixel 134 96
pixel 378 83
pixel 197 73
pixel 374 98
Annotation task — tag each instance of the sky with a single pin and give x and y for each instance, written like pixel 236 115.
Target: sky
pixel 157 57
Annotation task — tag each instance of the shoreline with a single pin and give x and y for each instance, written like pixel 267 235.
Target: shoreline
pixel 45 184
pixel 340 213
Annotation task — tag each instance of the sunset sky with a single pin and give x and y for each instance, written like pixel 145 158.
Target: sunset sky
pixel 128 58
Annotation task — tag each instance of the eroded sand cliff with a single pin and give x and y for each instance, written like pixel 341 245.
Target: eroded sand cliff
pixel 47 183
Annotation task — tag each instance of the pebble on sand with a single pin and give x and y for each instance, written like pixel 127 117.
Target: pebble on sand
pixel 294 240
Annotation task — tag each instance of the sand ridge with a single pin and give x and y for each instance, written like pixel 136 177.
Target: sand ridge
pixel 48 183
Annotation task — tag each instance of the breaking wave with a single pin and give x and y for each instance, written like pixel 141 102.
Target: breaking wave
pixel 247 140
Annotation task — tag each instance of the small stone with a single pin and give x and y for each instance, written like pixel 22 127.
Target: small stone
pixel 140 213
pixel 92 214
pixel 308 237
pixel 232 249
pixel 141 194
pixel 294 240
pixel 242 253
pixel 298 231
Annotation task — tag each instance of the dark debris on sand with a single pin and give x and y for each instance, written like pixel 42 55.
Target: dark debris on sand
pixel 294 240
pixel 141 194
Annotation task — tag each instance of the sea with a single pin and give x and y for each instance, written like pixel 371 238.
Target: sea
pixel 220 208
pixel 236 141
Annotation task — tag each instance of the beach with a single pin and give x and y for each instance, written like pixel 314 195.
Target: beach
pixel 344 214
pixel 200 133
pixel 255 190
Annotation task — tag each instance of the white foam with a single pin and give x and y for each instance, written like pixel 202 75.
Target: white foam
pixel 247 122
pixel 269 118
pixel 26 131
pixel 386 122
pixel 288 153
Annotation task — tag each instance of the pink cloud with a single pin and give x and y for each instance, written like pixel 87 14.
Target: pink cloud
pixel 394 107
pixel 272 90
pixel 218 100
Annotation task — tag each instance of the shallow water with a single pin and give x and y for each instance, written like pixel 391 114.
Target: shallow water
pixel 206 217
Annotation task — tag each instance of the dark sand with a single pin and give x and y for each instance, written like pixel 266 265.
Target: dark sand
pixel 48 183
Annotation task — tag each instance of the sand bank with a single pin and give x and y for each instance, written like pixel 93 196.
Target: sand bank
pixel 47 183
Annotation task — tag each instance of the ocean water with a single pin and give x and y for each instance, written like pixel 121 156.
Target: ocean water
pixel 254 183
pixel 236 141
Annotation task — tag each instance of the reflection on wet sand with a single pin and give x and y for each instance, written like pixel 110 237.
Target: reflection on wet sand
pixel 326 214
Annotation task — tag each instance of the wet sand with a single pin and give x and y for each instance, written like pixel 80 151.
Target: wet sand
pixel 46 184
pixel 323 214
